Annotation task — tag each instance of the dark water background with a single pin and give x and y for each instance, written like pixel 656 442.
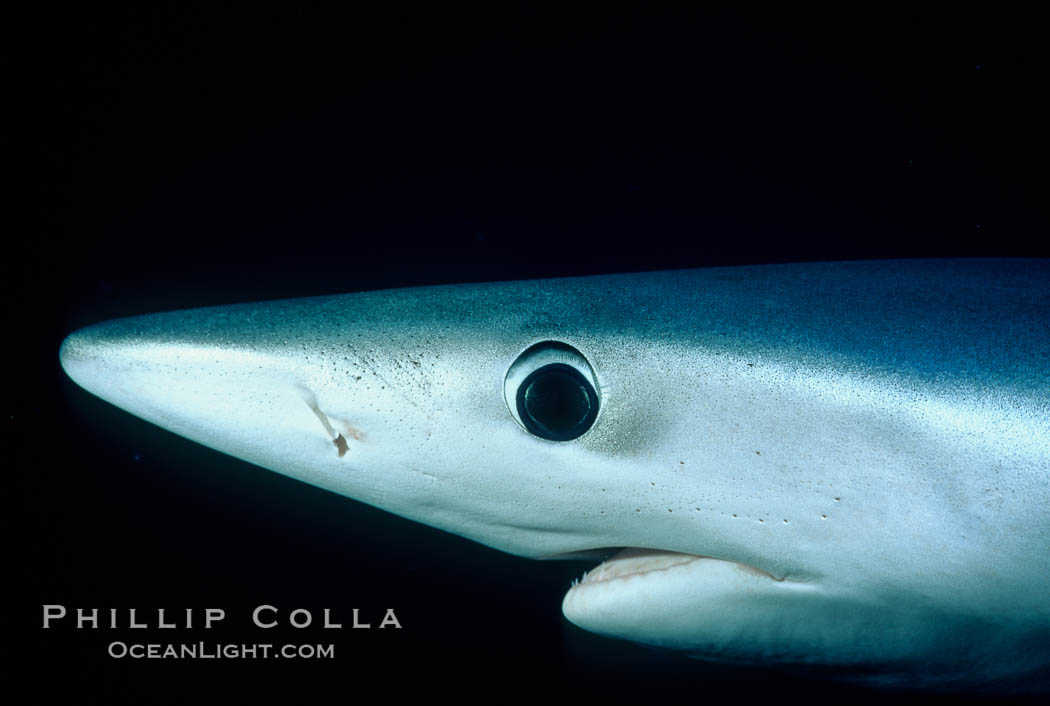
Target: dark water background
pixel 196 156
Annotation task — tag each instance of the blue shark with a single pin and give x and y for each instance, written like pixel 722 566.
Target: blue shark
pixel 842 464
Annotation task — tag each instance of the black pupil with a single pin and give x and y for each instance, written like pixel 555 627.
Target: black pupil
pixel 558 401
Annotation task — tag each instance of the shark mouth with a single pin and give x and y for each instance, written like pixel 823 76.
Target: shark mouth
pixel 632 562
pixel 645 595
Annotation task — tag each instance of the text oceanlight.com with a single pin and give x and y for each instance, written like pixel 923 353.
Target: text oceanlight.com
pixel 205 650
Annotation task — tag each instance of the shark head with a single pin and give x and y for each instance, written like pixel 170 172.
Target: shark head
pixel 772 471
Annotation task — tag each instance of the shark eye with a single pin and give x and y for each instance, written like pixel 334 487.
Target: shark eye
pixel 550 390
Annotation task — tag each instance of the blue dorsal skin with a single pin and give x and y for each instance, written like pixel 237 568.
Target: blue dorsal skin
pixel 842 464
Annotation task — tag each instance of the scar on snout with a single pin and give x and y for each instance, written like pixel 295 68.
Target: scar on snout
pixel 352 431
pixel 337 438
pixel 340 444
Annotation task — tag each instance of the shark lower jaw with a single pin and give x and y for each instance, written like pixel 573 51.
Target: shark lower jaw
pixel 699 604
pixel 689 602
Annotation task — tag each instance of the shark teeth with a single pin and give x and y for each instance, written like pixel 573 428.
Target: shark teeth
pixel 634 562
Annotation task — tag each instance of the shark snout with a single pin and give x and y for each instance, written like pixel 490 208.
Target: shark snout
pixel 258 384
pixel 109 357
pixel 211 391
pixel 93 357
